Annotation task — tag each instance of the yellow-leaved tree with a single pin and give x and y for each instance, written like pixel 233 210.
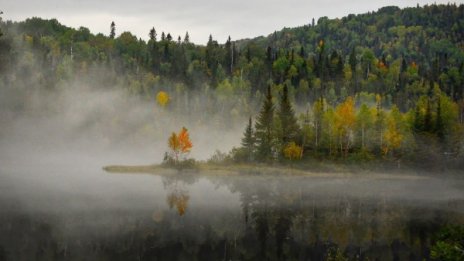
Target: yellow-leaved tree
pixel 293 151
pixel 345 120
pixel 162 98
pixel 180 144
pixel 393 136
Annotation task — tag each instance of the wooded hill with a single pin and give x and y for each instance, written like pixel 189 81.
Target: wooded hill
pixel 411 60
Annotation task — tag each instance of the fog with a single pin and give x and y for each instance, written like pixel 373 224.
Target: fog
pixel 54 143
pixel 56 140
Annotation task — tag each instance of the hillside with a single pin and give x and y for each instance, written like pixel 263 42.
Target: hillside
pixel 406 62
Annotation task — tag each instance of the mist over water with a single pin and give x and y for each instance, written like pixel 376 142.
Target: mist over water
pixel 56 202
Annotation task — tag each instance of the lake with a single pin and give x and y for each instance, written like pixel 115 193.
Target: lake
pixel 64 207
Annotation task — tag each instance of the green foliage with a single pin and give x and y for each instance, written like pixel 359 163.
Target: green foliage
pixel 264 129
pixel 449 245
pixel 290 129
pixel 170 162
pixel 248 141
pixel 410 58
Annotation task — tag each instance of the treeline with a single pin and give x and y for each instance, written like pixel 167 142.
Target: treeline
pixel 392 52
pixel 404 56
pixel 360 128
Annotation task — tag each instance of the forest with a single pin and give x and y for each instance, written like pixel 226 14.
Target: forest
pixel 382 86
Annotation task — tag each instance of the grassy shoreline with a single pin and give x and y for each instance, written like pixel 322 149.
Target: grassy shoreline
pixel 217 170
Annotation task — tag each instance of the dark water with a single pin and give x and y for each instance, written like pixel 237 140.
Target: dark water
pixel 53 212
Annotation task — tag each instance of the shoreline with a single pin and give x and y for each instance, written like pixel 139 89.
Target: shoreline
pixel 250 170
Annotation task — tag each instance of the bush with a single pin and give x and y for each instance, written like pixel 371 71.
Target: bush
pixel 170 162
pixel 218 158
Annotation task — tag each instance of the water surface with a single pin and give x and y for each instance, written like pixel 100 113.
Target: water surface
pixel 57 208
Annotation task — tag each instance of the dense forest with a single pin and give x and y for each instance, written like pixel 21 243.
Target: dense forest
pixel 383 85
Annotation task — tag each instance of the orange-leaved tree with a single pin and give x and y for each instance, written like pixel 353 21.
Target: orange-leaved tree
pixel 180 143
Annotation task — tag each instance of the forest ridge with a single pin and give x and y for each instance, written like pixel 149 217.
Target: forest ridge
pixel 384 84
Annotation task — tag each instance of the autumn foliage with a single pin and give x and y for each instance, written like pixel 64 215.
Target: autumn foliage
pixel 180 143
pixel 179 200
pixel 293 151
pixel 162 98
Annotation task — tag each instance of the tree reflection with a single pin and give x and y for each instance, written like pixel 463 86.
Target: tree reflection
pixel 177 194
pixel 178 199
pixel 277 219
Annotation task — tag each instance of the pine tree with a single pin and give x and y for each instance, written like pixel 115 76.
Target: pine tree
pixel 264 132
pixel 152 34
pixel 228 59
pixel 418 120
pixel 186 38
pixel 112 30
pixel 353 63
pixel 248 140
pixel 439 125
pixel 290 129
pixel 428 118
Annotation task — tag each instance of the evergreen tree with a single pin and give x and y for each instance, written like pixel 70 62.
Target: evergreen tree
pixel 228 59
pixel 248 140
pixel 112 30
pixel 290 128
pixel 439 125
pixel 428 118
pixel 152 34
pixel 353 63
pixel 264 131
pixel 418 119
pixel 186 38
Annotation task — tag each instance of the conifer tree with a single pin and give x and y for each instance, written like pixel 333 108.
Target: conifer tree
pixel 248 140
pixel 152 34
pixel 290 129
pixel 112 30
pixel 428 118
pixel 186 38
pixel 439 126
pixel 228 59
pixel 264 131
pixel 418 119
pixel 353 63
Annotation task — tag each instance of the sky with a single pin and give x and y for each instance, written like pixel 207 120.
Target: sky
pixel 238 18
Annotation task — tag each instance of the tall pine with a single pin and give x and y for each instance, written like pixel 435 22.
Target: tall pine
pixel 248 141
pixel 264 131
pixel 290 128
pixel 112 30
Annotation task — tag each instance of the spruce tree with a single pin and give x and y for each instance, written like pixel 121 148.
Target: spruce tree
pixel 248 141
pixel 290 128
pixel 186 38
pixel 264 131
pixel 418 120
pixel 112 30
pixel 428 118
pixel 152 34
pixel 228 58
pixel 439 125
pixel 353 62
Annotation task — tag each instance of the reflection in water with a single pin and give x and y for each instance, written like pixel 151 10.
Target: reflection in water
pixel 275 219
pixel 178 198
